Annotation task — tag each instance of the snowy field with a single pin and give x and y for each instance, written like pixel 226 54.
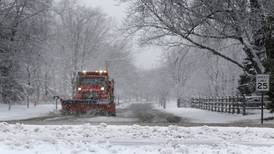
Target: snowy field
pixel 205 116
pixel 104 139
pixel 20 112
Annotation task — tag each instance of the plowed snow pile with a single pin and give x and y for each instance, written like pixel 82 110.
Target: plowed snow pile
pixel 137 139
pixel 19 112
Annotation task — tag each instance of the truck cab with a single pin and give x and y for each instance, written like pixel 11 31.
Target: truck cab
pixel 95 86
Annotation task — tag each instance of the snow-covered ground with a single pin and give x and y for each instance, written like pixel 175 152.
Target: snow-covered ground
pixel 104 139
pixel 113 139
pixel 205 116
pixel 20 112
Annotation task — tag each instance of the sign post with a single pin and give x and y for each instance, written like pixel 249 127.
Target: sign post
pixel 56 99
pixel 262 86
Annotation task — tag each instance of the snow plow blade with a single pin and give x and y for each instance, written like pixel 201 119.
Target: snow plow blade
pixel 88 106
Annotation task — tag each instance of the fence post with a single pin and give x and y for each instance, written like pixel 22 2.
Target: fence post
pixel 229 105
pixel 203 104
pixel 216 105
pixel 225 104
pixel 219 104
pixel 212 103
pixel 238 105
pixel 199 102
pixel 207 105
pixel 222 105
pixel 216 102
pixel 208 100
pixel 233 103
pixel 244 105
pixel 192 102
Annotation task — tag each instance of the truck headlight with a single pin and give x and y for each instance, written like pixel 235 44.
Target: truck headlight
pixel 102 88
pixel 79 89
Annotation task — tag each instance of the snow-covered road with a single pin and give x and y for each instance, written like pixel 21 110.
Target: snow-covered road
pixel 103 138
pixel 127 114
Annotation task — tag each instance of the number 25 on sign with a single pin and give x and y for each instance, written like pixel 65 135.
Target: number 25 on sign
pixel 262 82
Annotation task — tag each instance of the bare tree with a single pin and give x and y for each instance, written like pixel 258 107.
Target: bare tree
pixel 195 23
pixel 81 32
pixel 181 66
pixel 191 22
pixel 20 23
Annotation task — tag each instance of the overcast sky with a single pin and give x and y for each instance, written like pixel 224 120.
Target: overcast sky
pixel 146 58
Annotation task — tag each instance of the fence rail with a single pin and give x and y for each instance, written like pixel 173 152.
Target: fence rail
pixel 229 104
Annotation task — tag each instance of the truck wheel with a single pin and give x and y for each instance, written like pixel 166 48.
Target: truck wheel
pixel 64 112
pixel 112 114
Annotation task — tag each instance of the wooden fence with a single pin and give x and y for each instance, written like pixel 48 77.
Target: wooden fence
pixel 229 104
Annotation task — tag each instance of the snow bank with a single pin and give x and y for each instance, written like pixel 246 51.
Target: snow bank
pixel 20 112
pixel 113 139
pixel 205 116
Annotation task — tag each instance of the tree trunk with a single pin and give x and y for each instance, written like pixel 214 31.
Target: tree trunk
pixel 28 83
pixel 258 24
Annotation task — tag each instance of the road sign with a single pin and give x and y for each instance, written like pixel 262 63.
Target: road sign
pixel 262 82
pixel 262 85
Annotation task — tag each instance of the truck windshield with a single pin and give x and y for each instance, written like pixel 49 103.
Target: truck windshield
pixel 92 81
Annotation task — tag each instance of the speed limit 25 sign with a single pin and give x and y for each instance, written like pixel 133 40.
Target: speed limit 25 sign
pixel 262 82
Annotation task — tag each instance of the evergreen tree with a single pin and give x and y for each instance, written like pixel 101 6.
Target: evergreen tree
pixel 263 41
pixel 270 62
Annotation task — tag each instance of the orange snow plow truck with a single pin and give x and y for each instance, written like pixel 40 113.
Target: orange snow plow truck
pixel 94 94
